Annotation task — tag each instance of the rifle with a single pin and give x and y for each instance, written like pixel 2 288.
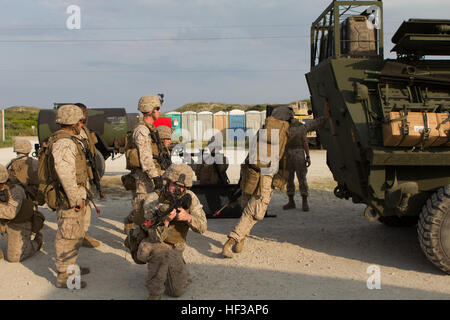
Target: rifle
pixel 222 175
pixel 158 216
pixel 91 163
pixel 163 158
pixel 237 193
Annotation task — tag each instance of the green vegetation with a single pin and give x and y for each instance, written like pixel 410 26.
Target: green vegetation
pixel 18 122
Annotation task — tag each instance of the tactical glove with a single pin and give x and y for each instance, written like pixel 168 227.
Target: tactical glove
pixel 158 182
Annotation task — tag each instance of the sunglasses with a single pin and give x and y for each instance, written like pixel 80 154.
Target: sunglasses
pixel 157 108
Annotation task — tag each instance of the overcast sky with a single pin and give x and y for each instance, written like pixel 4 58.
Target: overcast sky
pixel 266 64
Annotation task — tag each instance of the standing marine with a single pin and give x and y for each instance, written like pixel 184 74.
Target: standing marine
pixel 91 141
pixel 67 173
pixel 142 158
pixel 299 159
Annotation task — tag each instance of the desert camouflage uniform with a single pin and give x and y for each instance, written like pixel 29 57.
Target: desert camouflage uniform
pixel 296 154
pixel 255 204
pixel 20 245
pixel 255 207
pixel 70 233
pixel 30 162
pixel 148 170
pixel 163 250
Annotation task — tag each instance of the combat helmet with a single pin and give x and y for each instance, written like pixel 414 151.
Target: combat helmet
pixel 283 113
pixel 3 174
pixel 69 114
pixel 22 146
pixel 164 132
pixel 148 103
pixel 180 173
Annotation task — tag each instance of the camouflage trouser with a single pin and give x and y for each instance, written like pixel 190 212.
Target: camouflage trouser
pixel 167 270
pixel 69 237
pixel 297 165
pixel 87 218
pixel 136 215
pixel 20 245
pixel 255 207
pixel 144 186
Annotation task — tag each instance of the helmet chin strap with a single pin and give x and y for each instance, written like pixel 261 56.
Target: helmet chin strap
pixel 76 129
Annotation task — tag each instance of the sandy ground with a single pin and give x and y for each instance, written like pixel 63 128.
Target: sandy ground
pixel 321 254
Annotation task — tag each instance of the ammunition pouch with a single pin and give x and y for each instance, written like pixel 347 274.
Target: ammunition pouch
pixel 53 196
pixel 37 222
pixel 249 178
pixel 132 241
pixel 280 179
pixel 132 156
pixel 4 196
pixel 129 182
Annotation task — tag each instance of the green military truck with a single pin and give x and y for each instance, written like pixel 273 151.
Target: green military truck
pixel 109 124
pixel 387 140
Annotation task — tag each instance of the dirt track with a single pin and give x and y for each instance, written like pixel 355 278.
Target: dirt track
pixel 322 254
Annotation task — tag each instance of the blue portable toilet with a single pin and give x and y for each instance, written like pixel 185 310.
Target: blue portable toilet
pixel 236 125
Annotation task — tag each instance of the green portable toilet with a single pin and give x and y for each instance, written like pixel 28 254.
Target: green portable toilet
pixel 176 124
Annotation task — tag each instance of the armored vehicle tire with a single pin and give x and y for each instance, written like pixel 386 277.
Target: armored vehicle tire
pixel 394 221
pixel 433 229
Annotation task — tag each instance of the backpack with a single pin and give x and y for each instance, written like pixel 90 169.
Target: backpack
pixel 267 140
pixel 50 189
pixel 23 170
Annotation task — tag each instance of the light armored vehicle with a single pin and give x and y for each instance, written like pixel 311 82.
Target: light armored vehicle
pixel 387 140
pixel 109 124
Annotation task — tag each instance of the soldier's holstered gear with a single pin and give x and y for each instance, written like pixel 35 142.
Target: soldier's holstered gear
pixel 290 204
pixel 132 241
pixel 305 206
pixel 239 246
pixel 4 196
pixel 129 182
pixel 227 251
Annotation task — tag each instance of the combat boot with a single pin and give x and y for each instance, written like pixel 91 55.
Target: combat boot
pixel 39 240
pixel 227 248
pixel 84 270
pixel 239 246
pixel 305 206
pixel 90 242
pixel 290 204
pixel 61 281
